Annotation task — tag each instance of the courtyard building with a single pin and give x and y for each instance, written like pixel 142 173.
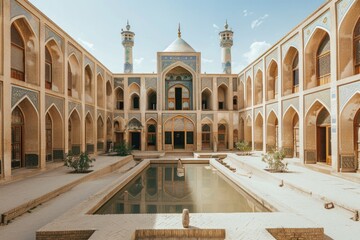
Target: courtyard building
pixel 302 95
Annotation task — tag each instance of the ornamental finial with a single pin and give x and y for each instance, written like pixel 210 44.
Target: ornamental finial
pixel 127 25
pixel 226 25
pixel 179 31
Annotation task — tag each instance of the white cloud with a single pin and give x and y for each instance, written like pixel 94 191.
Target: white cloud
pixel 247 13
pixel 216 26
pixel 256 23
pixel 206 60
pixel 86 44
pixel 138 61
pixel 256 48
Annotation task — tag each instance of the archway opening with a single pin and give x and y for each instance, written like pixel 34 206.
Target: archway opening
pixel 222 136
pixel 272 81
pixel 179 134
pixel 222 97
pixel 54 129
pixel 151 135
pixel 272 132
pixel 89 134
pixel 258 133
pixel 291 143
pixel 291 72
pixel 258 90
pixel 206 137
pixel 206 100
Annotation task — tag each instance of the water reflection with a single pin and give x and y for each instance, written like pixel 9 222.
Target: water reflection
pixel 161 189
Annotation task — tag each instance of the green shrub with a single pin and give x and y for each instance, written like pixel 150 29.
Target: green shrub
pixel 243 146
pixel 274 159
pixel 80 163
pixel 123 149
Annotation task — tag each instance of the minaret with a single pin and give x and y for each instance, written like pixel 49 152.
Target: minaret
pixel 128 43
pixel 226 42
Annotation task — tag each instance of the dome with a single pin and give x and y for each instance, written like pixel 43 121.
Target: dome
pixel 179 45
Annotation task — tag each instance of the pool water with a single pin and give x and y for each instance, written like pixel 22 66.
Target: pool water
pixel 165 188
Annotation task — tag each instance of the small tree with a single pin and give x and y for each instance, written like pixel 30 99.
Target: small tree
pixel 123 149
pixel 243 146
pixel 274 159
pixel 80 163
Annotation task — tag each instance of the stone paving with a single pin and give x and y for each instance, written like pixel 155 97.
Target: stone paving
pixel 23 191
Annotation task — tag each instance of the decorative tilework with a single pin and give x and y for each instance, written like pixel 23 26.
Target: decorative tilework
pixel 18 93
pixel 49 33
pixel 242 78
pixel 209 116
pixel 91 109
pixel 100 70
pixel 272 107
pixel 343 7
pixel 151 115
pixel 346 92
pixel 248 74
pixel 290 102
pixel 272 56
pixel 17 10
pixel 101 113
pixel 119 115
pixel 206 83
pixel 58 102
pixel 323 97
pixel 324 22
pixel 258 110
pixel 88 61
pixel 151 82
pixel 74 105
pixel 292 42
pixel 135 115
pixel 222 80
pixel 134 80
pixel 166 116
pixel 73 50
pixel 118 82
pixel 169 60
pixel 258 66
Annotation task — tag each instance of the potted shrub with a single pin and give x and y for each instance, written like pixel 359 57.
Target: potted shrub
pixel 274 160
pixel 80 163
pixel 123 149
pixel 243 146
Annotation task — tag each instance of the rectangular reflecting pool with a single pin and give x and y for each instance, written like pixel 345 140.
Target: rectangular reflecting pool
pixel 165 188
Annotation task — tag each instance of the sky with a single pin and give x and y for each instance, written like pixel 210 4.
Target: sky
pixel 96 25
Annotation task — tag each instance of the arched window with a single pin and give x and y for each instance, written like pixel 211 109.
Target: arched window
pixel 206 136
pixel 69 87
pixel 295 73
pixel 152 100
pixel 17 55
pixel 135 102
pixel 357 47
pixel 151 141
pixel 48 69
pixel 323 61
pixel 119 99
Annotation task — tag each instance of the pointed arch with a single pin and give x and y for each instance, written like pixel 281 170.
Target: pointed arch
pixel 100 134
pixel 272 81
pixel 317 134
pixel 222 97
pixel 109 96
pixel 248 130
pixel 258 132
pixel 222 132
pixel 348 42
pixel 272 131
pixel 119 98
pixel 151 99
pixel 89 133
pixel 241 95
pixel 135 101
pixel 54 68
pixel 317 59
pixel 179 133
pixel 54 134
pixel 258 88
pixel 74 77
pixel 25 135
pixel 349 132
pixel 248 92
pixel 290 77
pixel 100 90
pixel 206 103
pixel 151 137
pixel 24 52
pixel 89 84
pixel 74 128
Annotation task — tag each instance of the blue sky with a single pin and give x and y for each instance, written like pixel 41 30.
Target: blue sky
pixel 96 25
